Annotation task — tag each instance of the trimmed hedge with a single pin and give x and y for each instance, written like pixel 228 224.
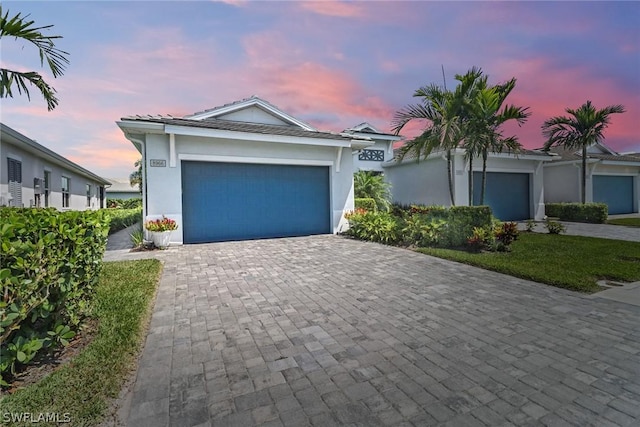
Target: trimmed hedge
pixel 366 203
pixel 123 218
pixel 50 262
pixel 596 213
pixel 124 203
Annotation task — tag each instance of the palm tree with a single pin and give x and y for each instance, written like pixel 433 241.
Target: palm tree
pixel 584 127
pixel 370 185
pixel 20 27
pixel 135 178
pixel 488 115
pixel 444 111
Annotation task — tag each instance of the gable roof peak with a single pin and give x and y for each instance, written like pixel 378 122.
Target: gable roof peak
pixel 252 101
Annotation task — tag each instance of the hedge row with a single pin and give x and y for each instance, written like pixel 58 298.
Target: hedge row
pixel 420 225
pixel 123 218
pixel 124 203
pixel 50 262
pixel 588 212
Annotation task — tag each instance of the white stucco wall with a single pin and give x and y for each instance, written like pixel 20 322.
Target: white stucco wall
pixel 367 165
pixel 253 115
pixel 423 182
pixel 426 182
pixel 164 184
pixel 34 167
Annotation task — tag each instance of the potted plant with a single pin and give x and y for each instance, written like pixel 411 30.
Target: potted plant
pixel 160 230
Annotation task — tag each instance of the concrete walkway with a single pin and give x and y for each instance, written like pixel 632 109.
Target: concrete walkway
pixel 119 246
pixel 328 331
pixel 604 231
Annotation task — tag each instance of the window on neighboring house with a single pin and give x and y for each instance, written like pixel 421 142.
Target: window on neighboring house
pixel 47 185
pixel 65 191
pixel 88 195
pixel 15 182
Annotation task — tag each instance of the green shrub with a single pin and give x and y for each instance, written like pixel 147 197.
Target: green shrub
pixel 371 185
pixel 554 227
pixel 366 203
pixel 123 218
pixel 421 230
pixel 588 212
pixel 50 262
pixel 124 203
pixel 379 227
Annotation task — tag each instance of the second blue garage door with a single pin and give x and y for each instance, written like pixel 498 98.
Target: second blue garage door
pixel 506 193
pixel 237 201
pixel 615 191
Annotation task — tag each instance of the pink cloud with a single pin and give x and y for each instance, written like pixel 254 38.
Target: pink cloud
pixel 333 8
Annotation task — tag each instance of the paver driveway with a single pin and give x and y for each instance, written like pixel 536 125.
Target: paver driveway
pixel 328 331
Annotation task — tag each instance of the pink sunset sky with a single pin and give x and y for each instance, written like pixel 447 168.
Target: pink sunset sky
pixel 333 64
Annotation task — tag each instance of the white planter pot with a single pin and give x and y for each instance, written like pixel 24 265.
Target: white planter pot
pixel 160 238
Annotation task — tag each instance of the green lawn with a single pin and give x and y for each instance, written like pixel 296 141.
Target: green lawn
pixel 629 222
pixel 82 388
pixel 572 262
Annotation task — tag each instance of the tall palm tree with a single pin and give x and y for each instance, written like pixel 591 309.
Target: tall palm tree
pixel 21 28
pixel 444 110
pixel 584 127
pixel 487 116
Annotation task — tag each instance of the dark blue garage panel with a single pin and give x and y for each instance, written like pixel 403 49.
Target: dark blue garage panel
pixel 615 191
pixel 506 193
pixel 237 201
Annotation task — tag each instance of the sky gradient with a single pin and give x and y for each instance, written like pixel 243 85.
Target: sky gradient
pixel 333 64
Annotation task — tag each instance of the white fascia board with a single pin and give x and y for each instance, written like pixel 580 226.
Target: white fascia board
pixel 616 163
pixel 135 126
pixel 248 136
pixel 253 160
pixel 569 162
pixel 538 157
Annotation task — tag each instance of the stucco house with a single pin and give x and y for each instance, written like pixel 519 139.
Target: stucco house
pixel 32 175
pixel 372 157
pixel 122 189
pixel 514 188
pixel 244 170
pixel 611 178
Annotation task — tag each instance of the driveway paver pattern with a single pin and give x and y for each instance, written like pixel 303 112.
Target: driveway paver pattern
pixel 326 331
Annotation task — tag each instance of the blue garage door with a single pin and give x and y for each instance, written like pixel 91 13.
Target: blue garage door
pixel 506 193
pixel 615 191
pixel 235 201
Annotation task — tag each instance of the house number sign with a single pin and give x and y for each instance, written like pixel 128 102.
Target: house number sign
pixel 157 163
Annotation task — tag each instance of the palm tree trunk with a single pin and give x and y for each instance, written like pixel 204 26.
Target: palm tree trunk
pixel 453 203
pixel 584 174
pixel 484 176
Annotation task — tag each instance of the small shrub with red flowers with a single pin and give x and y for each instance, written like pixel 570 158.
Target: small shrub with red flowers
pixel 162 224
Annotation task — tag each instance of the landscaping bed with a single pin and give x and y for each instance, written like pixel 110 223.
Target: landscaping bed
pixel 80 386
pixel 628 222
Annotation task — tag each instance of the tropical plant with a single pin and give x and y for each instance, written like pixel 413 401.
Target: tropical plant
pixel 368 185
pixel 486 118
pixel 20 27
pixel 135 178
pixel 444 110
pixel 583 128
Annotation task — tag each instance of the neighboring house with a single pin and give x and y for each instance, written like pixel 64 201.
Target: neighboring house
pixel 31 175
pixel 514 188
pixel 122 189
pixel 372 158
pixel 242 171
pixel 611 178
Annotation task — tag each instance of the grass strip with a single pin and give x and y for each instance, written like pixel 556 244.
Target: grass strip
pixel 81 390
pixel 629 222
pixel 571 262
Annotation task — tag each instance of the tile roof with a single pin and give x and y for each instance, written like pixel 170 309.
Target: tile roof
pixel 573 154
pixel 235 126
